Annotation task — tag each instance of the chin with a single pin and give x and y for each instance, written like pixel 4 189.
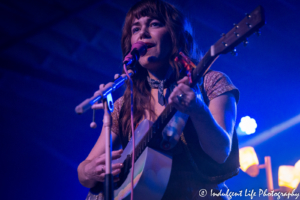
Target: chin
pixel 147 61
pixel 151 62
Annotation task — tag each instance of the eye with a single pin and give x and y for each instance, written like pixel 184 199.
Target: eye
pixel 135 29
pixel 155 24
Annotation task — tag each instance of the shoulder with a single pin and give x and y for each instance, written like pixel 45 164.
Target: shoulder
pixel 217 83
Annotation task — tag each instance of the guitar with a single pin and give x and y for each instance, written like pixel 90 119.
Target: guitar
pixel 152 162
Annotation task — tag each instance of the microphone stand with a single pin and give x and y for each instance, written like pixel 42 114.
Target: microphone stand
pixel 108 109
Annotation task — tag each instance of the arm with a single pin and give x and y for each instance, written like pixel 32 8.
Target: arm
pixel 214 124
pixel 90 170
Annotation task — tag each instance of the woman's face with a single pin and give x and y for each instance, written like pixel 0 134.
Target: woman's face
pixel 155 34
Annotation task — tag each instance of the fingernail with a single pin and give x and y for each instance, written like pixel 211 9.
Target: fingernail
pixel 121 165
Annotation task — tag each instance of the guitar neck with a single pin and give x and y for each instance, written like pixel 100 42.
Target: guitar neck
pixel 203 66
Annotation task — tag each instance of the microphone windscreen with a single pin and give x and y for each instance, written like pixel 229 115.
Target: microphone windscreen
pixel 140 46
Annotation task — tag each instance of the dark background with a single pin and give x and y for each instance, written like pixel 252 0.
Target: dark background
pixel 54 54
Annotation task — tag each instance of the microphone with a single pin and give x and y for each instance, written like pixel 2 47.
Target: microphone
pixel 138 49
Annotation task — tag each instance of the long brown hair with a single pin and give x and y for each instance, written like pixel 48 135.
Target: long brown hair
pixel 181 41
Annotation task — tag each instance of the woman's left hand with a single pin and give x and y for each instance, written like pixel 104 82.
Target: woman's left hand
pixel 184 98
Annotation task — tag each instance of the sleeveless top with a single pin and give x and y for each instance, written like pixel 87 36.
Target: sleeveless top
pixel 192 169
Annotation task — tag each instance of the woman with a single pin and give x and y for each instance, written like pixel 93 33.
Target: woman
pixel 207 153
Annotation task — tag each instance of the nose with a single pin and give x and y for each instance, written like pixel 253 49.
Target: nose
pixel 144 33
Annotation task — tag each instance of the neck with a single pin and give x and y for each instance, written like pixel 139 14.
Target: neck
pixel 160 74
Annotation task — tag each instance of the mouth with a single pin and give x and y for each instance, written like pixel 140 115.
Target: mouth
pixel 150 45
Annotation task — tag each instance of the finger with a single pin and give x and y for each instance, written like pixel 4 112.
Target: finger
pixel 101 177
pixel 116 172
pixel 116 166
pixel 187 96
pixel 102 168
pixel 116 76
pixel 97 106
pixel 97 93
pixel 175 101
pixel 180 89
pixel 184 80
pixel 116 156
pixel 187 92
pixel 184 88
pixel 101 86
pixel 174 94
pixel 116 153
pixel 116 179
pixel 101 159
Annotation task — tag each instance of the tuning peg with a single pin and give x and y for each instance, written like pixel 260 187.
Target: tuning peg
pixel 258 33
pixel 236 26
pixel 246 42
pixel 248 15
pixel 249 25
pixel 233 52
pixel 223 34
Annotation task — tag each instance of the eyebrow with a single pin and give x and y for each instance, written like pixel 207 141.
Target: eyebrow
pixel 138 22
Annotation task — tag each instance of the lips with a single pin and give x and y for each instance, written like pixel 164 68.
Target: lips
pixel 149 45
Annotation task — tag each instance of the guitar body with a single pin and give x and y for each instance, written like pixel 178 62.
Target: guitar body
pixel 151 172
pixel 151 176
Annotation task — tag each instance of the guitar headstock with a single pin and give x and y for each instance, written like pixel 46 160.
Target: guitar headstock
pixel 239 33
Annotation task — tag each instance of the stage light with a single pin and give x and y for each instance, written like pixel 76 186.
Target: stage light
pixel 247 126
pixel 249 164
pixel 297 169
pixel 287 178
pixel 248 161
